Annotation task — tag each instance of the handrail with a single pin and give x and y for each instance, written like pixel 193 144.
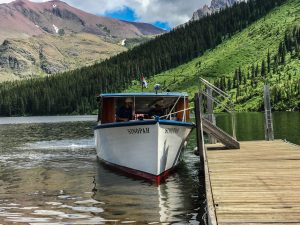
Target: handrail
pixel 169 114
pixel 229 107
pixel 218 90
pixel 217 101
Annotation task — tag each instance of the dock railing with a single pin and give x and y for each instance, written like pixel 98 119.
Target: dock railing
pixel 222 99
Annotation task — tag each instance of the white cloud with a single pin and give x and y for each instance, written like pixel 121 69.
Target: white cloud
pixel 174 12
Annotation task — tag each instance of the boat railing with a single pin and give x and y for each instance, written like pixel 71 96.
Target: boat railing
pixel 169 115
pixel 172 109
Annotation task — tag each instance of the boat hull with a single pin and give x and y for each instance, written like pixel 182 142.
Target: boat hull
pixel 148 149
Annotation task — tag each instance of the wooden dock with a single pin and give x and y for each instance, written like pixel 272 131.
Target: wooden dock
pixel 257 184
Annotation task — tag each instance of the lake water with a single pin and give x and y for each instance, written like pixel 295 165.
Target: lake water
pixel 49 174
pixel 250 126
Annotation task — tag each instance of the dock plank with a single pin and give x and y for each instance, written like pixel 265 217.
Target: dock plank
pixel 257 184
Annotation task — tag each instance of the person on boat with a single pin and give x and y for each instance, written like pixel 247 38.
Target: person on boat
pixel 124 113
pixel 157 111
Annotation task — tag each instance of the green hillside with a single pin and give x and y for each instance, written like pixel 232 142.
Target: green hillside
pixel 242 50
pixel 281 70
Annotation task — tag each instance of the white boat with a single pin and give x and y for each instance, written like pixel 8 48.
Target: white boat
pixel 148 145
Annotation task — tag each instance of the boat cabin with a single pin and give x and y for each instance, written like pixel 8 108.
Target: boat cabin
pixel 143 106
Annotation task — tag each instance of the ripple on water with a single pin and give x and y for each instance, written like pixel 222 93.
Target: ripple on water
pixel 53 203
pixel 83 208
pixel 31 155
pixel 74 216
pixel 65 196
pixel 55 216
pixel 47 212
pixel 9 214
pixel 89 201
pixel 29 208
pixel 27 219
pixel 60 144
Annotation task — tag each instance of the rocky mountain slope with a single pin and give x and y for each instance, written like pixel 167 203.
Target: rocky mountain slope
pixel 215 6
pixel 50 37
pixel 50 54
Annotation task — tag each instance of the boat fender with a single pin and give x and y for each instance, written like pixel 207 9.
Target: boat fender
pixel 196 152
pixel 185 144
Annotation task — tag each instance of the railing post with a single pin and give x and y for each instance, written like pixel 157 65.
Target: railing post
pixel 199 130
pixel 233 123
pixel 203 169
pixel 210 112
pixel 269 133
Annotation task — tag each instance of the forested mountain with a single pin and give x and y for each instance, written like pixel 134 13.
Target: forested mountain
pixel 243 52
pixel 74 92
pixel 51 37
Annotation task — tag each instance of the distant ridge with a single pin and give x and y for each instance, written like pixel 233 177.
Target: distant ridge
pixel 51 37
pixel 215 6
pixel 23 18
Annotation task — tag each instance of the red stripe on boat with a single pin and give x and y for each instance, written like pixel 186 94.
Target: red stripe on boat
pixel 158 179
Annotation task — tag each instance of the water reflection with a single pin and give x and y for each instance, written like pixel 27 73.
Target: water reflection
pixel 250 126
pixel 40 195
pixel 127 199
pixel 54 195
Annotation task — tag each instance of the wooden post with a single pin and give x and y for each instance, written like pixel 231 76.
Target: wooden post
pixel 210 112
pixel 199 130
pixel 201 149
pixel 233 124
pixel 269 134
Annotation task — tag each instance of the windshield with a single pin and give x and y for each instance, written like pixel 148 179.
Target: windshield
pixel 136 108
pixel 143 105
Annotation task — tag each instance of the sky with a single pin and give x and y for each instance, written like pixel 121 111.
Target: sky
pixel 162 13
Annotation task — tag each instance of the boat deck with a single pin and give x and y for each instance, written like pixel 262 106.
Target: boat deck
pixel 257 184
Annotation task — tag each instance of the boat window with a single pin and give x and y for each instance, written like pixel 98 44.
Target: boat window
pixel 146 108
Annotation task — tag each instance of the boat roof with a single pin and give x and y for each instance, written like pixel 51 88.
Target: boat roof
pixel 145 94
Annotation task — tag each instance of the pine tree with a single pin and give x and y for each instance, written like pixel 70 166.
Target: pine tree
pixel 252 72
pixel 269 61
pixel 240 76
pixel 282 53
pixel 229 84
pixel 263 69
pixel 256 70
pixel 275 64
